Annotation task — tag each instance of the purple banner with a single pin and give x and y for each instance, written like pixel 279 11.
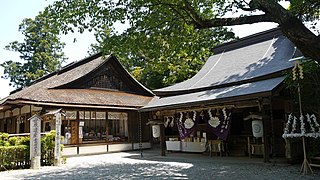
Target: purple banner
pixel 219 121
pixel 186 122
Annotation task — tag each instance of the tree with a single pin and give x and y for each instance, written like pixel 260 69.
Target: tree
pixel 308 77
pixel 41 52
pixel 162 57
pixel 156 26
pixel 157 47
pixel 290 21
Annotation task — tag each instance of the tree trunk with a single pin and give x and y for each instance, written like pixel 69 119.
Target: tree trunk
pixel 293 28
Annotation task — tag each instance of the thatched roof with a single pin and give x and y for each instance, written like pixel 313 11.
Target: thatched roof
pixel 48 89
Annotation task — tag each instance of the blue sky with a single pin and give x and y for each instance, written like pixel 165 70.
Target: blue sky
pixel 12 12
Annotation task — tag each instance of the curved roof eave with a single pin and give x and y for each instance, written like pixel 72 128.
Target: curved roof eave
pixel 246 63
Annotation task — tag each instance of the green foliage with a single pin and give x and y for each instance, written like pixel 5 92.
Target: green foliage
pixel 309 85
pixel 13 141
pixel 165 57
pixel 158 47
pixel 3 137
pixel 14 157
pixel 41 52
pixel 47 148
pixel 307 9
pixel 14 151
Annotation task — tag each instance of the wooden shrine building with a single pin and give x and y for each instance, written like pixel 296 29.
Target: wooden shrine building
pixel 100 102
pixel 237 102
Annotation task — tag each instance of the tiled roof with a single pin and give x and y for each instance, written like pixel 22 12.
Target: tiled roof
pixel 213 95
pixel 242 63
pixel 246 68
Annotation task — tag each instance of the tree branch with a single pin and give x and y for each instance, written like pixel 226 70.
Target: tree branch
pixel 202 23
pixel 217 22
pixel 292 27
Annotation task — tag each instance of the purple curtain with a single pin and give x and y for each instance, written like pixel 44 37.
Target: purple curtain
pixel 186 122
pixel 219 121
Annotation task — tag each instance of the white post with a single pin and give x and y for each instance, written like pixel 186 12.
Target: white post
pixel 57 148
pixel 35 141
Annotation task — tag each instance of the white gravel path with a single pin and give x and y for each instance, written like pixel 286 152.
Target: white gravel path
pixel 152 166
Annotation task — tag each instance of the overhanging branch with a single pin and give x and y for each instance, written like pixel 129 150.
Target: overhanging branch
pixel 218 22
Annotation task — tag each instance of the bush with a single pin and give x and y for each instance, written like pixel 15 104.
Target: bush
pixel 47 149
pixel 14 157
pixel 15 151
pixel 3 138
pixel 13 141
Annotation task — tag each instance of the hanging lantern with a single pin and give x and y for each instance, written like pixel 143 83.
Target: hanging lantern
pixel 156 131
pixel 257 128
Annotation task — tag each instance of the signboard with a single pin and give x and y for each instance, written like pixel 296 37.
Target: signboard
pixel 117 115
pixel 80 132
pixel 101 115
pixel 57 148
pixel 35 141
pixel 87 115
pixel 81 114
pixel 35 145
pixel 93 115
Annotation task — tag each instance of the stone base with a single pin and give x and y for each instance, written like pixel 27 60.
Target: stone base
pixel 35 162
pixel 57 161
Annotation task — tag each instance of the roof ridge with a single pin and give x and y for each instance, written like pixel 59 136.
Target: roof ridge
pixel 248 40
pixel 79 63
pixel 64 69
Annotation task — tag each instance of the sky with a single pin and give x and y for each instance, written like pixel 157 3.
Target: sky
pixel 12 12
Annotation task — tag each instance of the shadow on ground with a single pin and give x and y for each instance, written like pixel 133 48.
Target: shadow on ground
pixel 172 166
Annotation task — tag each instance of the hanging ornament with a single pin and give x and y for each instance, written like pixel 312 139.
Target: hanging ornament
pixel 294 124
pixel 297 71
pixel 224 113
pixel 300 71
pixel 181 116
pixel 166 122
pixel 172 122
pixel 201 114
pixel 294 72
pixel 213 121
pixel 189 123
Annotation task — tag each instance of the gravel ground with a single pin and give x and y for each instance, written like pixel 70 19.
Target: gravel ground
pixel 130 165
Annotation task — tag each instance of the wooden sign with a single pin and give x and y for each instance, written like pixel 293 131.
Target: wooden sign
pixel 74 132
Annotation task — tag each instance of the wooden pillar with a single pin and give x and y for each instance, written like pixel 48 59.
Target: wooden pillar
pixel 140 134
pixel 272 131
pixel 265 121
pixel 162 140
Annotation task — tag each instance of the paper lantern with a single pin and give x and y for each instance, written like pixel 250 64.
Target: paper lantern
pixel 156 131
pixel 257 128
